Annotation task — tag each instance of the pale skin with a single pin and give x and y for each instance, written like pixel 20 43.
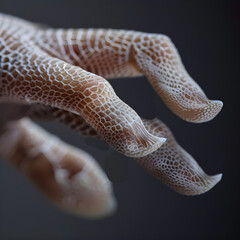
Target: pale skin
pixel 60 74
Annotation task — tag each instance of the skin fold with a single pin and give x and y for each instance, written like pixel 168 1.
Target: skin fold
pixel 59 74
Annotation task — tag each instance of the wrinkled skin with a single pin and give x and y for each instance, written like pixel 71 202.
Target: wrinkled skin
pixel 58 74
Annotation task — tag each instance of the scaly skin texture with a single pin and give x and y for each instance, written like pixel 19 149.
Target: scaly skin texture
pixel 170 163
pixel 30 75
pixel 113 54
pixel 60 74
pixel 174 166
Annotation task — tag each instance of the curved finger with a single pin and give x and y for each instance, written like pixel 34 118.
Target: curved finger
pixel 170 163
pixel 69 177
pixel 119 53
pixel 174 166
pixel 105 52
pixel 159 60
pixel 71 120
pixel 29 75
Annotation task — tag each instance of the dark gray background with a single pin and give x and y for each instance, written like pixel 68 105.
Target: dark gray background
pixel 207 36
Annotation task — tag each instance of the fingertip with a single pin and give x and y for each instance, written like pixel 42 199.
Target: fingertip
pixel 215 179
pixel 218 177
pixel 203 112
pixel 218 105
pixel 163 140
pixel 209 183
pixel 210 110
pixel 146 145
pixel 106 209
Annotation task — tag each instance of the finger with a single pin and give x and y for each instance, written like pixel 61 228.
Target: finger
pixel 174 166
pixel 162 65
pixel 71 120
pixel 119 53
pixel 170 163
pixel 107 53
pixel 69 177
pixel 30 75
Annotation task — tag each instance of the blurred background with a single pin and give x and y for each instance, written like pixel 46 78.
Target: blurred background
pixel 207 35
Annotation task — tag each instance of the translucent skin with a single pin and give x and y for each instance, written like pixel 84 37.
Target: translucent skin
pixel 61 75
pixel 170 163
pixel 68 177
pixel 175 166
pixel 113 54
pixel 30 75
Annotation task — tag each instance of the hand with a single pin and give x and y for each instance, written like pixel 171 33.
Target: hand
pixel 59 74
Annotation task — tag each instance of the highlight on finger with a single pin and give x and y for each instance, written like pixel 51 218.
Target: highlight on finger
pixel 117 123
pixel 121 53
pixel 68 177
pixel 35 75
pixel 170 163
pixel 159 60
pixel 174 166
pixel 124 132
